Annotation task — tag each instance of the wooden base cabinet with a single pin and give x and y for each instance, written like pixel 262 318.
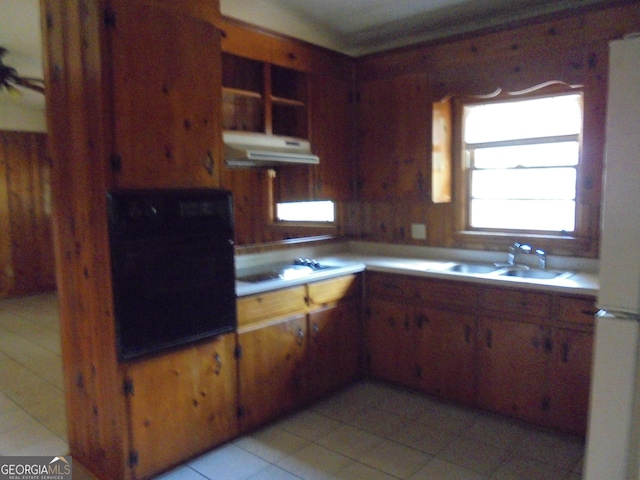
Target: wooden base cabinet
pixel 334 348
pixel 423 334
pixel 390 335
pixel 513 367
pixel 445 354
pixel 181 404
pixel 296 345
pixel 270 370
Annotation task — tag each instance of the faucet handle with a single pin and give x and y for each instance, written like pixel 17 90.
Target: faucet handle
pixel 542 258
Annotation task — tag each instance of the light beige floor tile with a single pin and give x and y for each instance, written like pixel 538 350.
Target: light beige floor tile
pixel 562 451
pixel 396 459
pixel 445 417
pixel 350 441
pixel 359 471
pixel 228 463
pixel 6 404
pixel 272 443
pixel 474 455
pixel 426 438
pixel 342 407
pixel 522 468
pixel 274 473
pixel 49 445
pixel 308 424
pixel 495 430
pixel 314 462
pixel 14 419
pixel 378 422
pixel 180 473
pixel 25 435
pixel 438 469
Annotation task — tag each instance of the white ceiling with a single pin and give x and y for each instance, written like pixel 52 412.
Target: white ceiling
pixel 358 27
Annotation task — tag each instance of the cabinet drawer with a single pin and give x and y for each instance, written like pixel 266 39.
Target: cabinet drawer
pixel 516 301
pixel 334 289
pixel 271 305
pixel 447 294
pixel 385 285
pixel 576 310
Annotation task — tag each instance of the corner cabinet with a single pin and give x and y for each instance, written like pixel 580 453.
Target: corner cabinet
pixel 166 72
pixel 296 345
pixel 519 352
pixel 181 404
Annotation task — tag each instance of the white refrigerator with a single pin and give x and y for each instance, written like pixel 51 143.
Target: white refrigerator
pixel 613 436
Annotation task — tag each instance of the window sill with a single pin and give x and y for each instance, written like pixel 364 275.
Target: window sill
pixel 567 245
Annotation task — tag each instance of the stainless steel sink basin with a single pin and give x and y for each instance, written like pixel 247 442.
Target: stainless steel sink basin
pixel 472 268
pixel 532 273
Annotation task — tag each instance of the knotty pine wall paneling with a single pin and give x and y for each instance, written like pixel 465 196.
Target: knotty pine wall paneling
pixel 27 263
pixel 572 48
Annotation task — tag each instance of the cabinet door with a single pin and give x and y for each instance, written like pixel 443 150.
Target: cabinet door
pixel 271 370
pixel 332 122
pixel 446 354
pixel 334 348
pixel 514 359
pixel 570 380
pixel 166 101
pixel 394 137
pixel 390 336
pixel 182 404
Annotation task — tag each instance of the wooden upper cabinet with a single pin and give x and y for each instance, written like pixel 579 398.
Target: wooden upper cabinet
pixel 262 98
pixel 394 138
pixel 332 124
pixel 166 70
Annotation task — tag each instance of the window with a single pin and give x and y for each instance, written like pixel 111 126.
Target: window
pixel 521 160
pixel 320 211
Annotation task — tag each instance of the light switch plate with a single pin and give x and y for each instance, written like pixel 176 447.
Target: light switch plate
pixel 418 231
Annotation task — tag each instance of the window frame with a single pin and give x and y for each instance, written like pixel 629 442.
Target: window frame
pixel 570 243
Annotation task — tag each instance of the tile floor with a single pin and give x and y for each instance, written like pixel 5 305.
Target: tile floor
pixel 370 431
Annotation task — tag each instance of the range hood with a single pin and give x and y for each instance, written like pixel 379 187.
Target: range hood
pixel 258 150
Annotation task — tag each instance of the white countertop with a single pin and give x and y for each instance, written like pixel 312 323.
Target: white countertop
pixel 581 280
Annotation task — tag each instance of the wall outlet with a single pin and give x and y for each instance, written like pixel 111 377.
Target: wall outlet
pixel 418 231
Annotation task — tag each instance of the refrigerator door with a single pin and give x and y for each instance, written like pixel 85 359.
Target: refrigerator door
pixel 620 229
pixel 611 450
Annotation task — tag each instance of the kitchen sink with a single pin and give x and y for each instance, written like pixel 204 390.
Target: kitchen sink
pixel 533 273
pixel 472 268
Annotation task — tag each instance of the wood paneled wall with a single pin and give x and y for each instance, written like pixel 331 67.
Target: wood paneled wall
pixel 572 49
pixel 27 263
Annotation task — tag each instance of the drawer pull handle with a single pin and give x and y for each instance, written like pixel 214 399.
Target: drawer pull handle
pixel 218 361
pixel 489 338
pixel 565 352
pixel 467 334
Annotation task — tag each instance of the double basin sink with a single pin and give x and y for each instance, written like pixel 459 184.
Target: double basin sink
pixel 507 271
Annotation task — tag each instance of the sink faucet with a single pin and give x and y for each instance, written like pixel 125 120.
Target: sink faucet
pixel 542 258
pixel 514 250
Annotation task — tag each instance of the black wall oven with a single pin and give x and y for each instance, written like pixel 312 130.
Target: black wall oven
pixel 172 265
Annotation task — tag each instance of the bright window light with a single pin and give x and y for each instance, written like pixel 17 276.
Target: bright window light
pixel 322 211
pixel 522 159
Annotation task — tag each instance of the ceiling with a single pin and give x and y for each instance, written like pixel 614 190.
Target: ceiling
pixel 354 27
pixel 358 27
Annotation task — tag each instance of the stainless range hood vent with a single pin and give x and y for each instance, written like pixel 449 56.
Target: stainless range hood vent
pixel 257 150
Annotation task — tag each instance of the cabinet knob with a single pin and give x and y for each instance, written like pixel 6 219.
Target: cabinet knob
pixel 300 337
